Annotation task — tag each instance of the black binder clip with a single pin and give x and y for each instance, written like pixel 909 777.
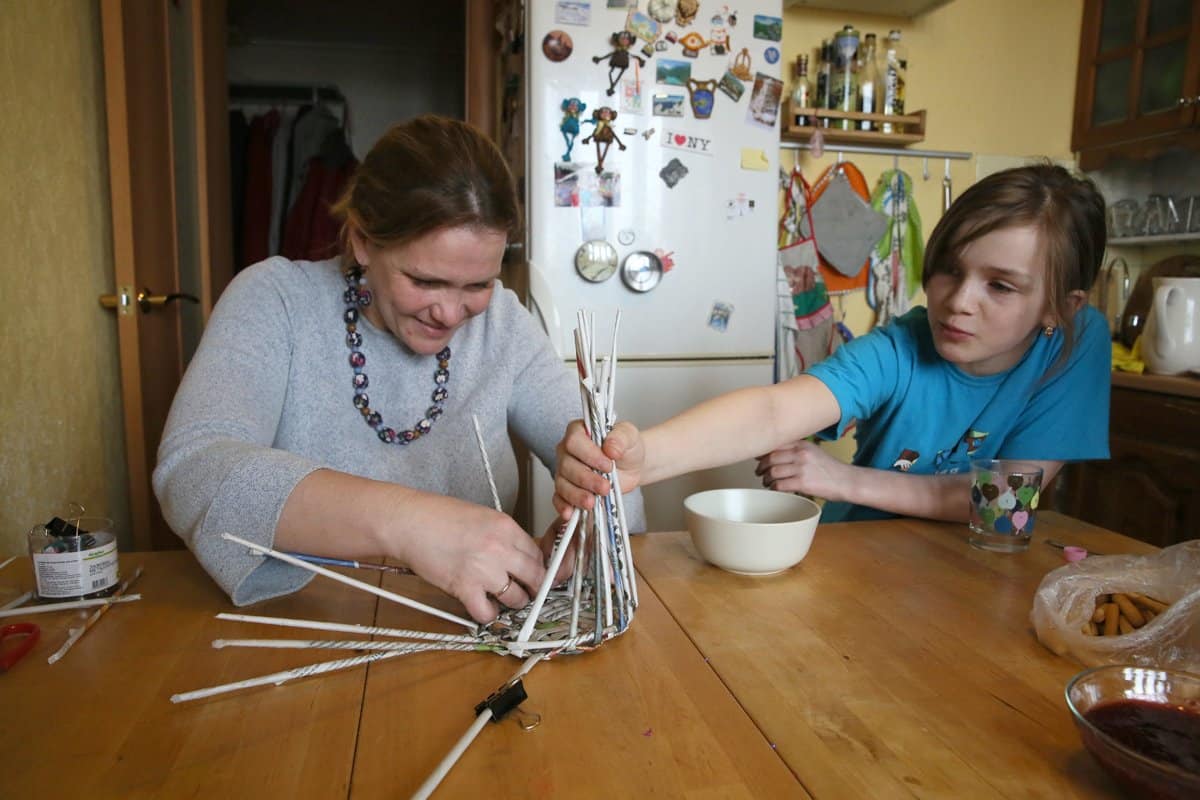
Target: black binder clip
pixel 503 700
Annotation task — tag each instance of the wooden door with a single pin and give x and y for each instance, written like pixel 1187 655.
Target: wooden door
pixel 142 185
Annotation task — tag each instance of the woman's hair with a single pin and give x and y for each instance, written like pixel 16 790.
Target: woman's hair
pixel 425 174
pixel 1067 212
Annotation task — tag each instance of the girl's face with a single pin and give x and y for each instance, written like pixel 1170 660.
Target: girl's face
pixel 986 311
pixel 424 290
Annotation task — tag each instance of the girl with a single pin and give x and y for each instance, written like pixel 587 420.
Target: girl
pixel 1007 361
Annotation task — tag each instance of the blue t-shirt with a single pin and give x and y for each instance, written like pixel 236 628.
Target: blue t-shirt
pixel 916 412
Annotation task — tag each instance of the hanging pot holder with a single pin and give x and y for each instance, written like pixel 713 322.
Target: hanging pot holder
pixel 845 226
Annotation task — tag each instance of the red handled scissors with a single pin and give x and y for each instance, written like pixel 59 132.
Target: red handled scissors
pixel 11 655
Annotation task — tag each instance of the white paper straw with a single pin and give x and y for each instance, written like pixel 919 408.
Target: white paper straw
pixel 279 678
pixel 353 644
pixel 463 743
pixel 45 609
pixel 487 466
pixel 74 634
pixel 366 587
pixel 341 627
pixel 551 570
pixel 16 601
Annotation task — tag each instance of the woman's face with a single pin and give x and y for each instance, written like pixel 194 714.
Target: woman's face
pixel 424 290
pixel 986 311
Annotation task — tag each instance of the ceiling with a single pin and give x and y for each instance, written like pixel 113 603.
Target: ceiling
pixel 891 8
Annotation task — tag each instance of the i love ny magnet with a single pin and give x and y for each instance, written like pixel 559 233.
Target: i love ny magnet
pixel 677 139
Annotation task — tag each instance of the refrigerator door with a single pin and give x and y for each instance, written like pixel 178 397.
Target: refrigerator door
pixel 716 225
pixel 648 393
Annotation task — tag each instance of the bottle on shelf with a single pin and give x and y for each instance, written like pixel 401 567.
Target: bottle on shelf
pixel 895 75
pixel 802 92
pixel 824 69
pixel 843 87
pixel 868 81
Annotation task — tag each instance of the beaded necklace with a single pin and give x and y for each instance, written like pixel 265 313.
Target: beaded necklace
pixel 355 299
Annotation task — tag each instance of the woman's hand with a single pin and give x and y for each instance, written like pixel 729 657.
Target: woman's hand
pixel 476 554
pixel 581 464
pixel 549 541
pixel 803 467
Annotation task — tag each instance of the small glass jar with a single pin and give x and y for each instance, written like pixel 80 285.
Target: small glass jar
pixel 75 561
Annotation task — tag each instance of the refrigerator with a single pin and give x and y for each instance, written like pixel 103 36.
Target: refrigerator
pixel 652 187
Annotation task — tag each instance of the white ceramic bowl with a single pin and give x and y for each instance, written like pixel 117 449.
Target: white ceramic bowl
pixel 751 531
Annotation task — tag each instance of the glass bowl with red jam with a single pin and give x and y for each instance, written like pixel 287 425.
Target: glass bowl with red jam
pixel 1143 726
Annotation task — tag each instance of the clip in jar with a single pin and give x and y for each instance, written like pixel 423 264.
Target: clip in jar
pixel 74 559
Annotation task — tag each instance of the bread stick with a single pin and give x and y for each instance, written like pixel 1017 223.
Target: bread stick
pixel 1098 616
pixel 1129 610
pixel 1157 606
pixel 1111 614
pixel 1124 625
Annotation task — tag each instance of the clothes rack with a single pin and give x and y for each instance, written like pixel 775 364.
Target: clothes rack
pixel 284 93
pixel 898 152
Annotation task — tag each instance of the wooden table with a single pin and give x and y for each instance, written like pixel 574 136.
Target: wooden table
pixel 643 715
pixel 895 660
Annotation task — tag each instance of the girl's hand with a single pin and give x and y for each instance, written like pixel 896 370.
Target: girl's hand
pixel 581 462
pixel 476 554
pixel 803 467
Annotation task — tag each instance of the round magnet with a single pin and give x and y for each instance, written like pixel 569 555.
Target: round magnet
pixel 596 261
pixel 557 45
pixel 641 271
pixel 771 54
pixel 626 236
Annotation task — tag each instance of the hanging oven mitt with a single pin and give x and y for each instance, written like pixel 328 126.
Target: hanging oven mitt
pixel 847 227
pixel 805 330
pixel 836 279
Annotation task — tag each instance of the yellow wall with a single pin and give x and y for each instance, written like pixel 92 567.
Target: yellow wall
pixel 60 402
pixel 996 79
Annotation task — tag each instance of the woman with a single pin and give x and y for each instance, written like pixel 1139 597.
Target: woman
pixel 329 407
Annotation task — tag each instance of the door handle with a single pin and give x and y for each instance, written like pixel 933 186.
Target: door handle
pixel 145 299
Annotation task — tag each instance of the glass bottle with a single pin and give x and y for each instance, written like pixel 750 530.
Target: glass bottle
pixel 868 81
pixel 802 92
pixel 895 74
pixel 824 68
pixel 843 87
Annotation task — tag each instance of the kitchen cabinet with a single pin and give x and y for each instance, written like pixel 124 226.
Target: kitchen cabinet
pixel 1150 488
pixel 1137 90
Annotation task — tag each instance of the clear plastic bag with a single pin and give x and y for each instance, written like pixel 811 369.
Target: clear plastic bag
pixel 1066 600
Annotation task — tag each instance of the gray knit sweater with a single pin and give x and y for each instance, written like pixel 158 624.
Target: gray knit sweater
pixel 267 399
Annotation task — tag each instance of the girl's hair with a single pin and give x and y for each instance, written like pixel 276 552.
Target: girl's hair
pixel 1067 211
pixel 423 175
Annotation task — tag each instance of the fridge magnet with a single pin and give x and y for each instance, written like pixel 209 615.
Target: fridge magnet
pixel 672 72
pixel 692 44
pixel 566 185
pixel 631 91
pixel 740 206
pixel 642 26
pixel 718 41
pixel 665 259
pixel 621 3
pixel 646 134
pixel 678 140
pixel 741 65
pixel 596 261
pixel 618 58
pixel 572 12
pixel 768 27
pixel 572 107
pixel 662 10
pixel 731 86
pixel 668 105
pixel 673 172
pixel 557 45
pixel 718 318
pixel 702 94
pixel 771 55
pixel 764 101
pixel 755 159
pixel 600 190
pixel 603 135
pixel 641 271
pixel 626 236
pixel 661 46
pixel 685 12
pixel 671 36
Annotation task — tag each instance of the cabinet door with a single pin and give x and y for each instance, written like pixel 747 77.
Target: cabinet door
pixel 1139 70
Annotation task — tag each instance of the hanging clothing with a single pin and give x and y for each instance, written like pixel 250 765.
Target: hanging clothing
pixel 239 133
pixel 897 259
pixel 835 280
pixel 279 167
pixel 256 219
pixel 313 125
pixel 805 329
pixel 311 232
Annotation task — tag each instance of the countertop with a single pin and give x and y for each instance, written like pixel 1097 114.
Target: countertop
pixel 1179 385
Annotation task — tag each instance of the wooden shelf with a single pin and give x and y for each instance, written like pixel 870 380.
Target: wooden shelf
pixel 914 125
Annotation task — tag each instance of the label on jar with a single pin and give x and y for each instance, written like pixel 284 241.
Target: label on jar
pixel 76 574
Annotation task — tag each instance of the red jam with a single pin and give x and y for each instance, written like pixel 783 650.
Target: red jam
pixel 1164 733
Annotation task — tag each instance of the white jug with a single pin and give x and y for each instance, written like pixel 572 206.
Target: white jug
pixel 1171 342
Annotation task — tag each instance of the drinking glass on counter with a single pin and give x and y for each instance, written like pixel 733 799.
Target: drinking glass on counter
pixel 1004 499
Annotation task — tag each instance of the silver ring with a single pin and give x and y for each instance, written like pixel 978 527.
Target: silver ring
pixel 503 588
